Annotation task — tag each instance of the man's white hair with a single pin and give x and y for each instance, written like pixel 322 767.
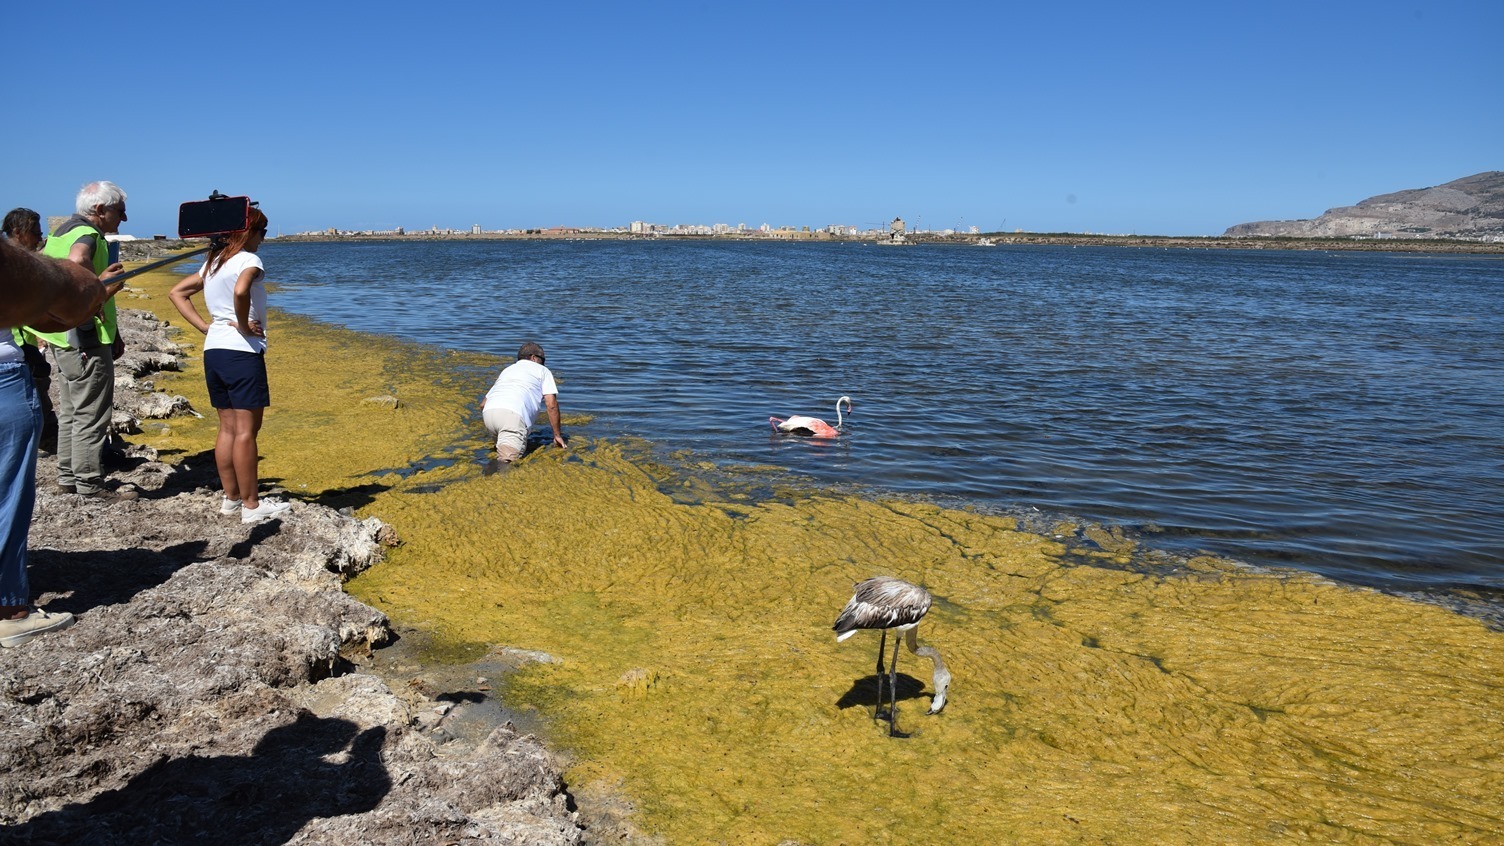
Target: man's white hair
pixel 97 194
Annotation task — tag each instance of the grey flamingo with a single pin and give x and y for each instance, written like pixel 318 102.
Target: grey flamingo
pixel 887 603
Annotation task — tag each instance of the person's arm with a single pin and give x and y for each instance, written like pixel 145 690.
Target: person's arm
pixel 182 299
pixel 552 401
pixel 50 295
pixel 82 252
pixel 243 320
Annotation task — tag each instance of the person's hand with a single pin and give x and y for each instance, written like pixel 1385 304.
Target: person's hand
pixel 253 327
pixel 112 288
pixel 559 442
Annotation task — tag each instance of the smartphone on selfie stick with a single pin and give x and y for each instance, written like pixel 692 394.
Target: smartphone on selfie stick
pixel 218 215
pixel 213 218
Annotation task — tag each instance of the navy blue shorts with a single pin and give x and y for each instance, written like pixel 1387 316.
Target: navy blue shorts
pixel 236 379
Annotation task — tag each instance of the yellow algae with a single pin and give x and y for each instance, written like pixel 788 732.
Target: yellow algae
pixel 698 670
pixel 698 674
pixel 319 437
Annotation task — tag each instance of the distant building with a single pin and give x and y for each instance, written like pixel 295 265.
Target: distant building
pixel 475 229
pixel 789 233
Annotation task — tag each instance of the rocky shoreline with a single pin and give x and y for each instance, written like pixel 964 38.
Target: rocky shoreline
pixel 219 684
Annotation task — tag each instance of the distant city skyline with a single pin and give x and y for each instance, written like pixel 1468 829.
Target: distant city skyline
pixel 643 227
pixel 1169 119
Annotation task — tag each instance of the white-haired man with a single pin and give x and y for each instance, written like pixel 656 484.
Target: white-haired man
pixel 85 355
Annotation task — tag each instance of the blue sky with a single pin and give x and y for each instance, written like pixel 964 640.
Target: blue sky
pixel 1157 118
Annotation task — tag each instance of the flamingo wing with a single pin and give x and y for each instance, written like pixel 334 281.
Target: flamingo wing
pixel 810 427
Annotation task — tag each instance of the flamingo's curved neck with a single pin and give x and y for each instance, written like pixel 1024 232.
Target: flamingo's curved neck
pixel 839 419
pixel 941 681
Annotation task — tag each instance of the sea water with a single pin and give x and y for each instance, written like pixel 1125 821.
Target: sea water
pixel 1337 412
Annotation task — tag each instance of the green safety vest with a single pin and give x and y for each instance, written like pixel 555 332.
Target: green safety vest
pixel 104 325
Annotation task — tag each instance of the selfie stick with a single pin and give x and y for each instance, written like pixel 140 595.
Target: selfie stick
pixel 156 264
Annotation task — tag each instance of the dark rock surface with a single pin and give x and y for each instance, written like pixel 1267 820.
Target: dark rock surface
pixel 1471 208
pixel 212 692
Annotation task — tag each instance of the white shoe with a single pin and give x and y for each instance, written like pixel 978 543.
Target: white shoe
pixel 229 507
pixel 268 508
pixel 17 632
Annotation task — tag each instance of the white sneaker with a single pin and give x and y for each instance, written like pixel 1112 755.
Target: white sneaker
pixel 229 507
pixel 17 632
pixel 267 508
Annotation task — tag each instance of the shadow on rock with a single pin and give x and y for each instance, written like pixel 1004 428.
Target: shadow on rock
pixel 95 578
pixel 311 769
pixel 461 696
pixel 260 532
pixel 190 473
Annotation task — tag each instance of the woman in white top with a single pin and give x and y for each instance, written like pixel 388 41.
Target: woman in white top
pixel 232 280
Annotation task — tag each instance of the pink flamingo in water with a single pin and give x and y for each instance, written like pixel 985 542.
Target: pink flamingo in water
pixel 811 427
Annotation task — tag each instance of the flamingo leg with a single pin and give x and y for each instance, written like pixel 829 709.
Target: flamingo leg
pixel 882 648
pixel 893 693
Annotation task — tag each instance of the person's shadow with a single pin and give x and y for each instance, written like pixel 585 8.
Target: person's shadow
pixel 311 769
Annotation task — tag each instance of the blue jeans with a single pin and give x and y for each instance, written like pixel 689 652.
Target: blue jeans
pixel 20 427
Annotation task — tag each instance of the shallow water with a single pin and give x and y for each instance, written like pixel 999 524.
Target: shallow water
pixel 1335 412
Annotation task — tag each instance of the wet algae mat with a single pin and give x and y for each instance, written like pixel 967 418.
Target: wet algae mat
pixel 695 672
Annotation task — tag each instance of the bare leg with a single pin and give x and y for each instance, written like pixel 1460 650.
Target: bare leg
pixel 882 648
pixel 224 453
pixel 243 457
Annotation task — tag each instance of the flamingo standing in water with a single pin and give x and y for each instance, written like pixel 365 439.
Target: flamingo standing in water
pixel 887 603
pixel 811 427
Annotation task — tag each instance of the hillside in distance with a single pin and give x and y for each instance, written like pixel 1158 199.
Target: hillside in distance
pixel 1470 208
